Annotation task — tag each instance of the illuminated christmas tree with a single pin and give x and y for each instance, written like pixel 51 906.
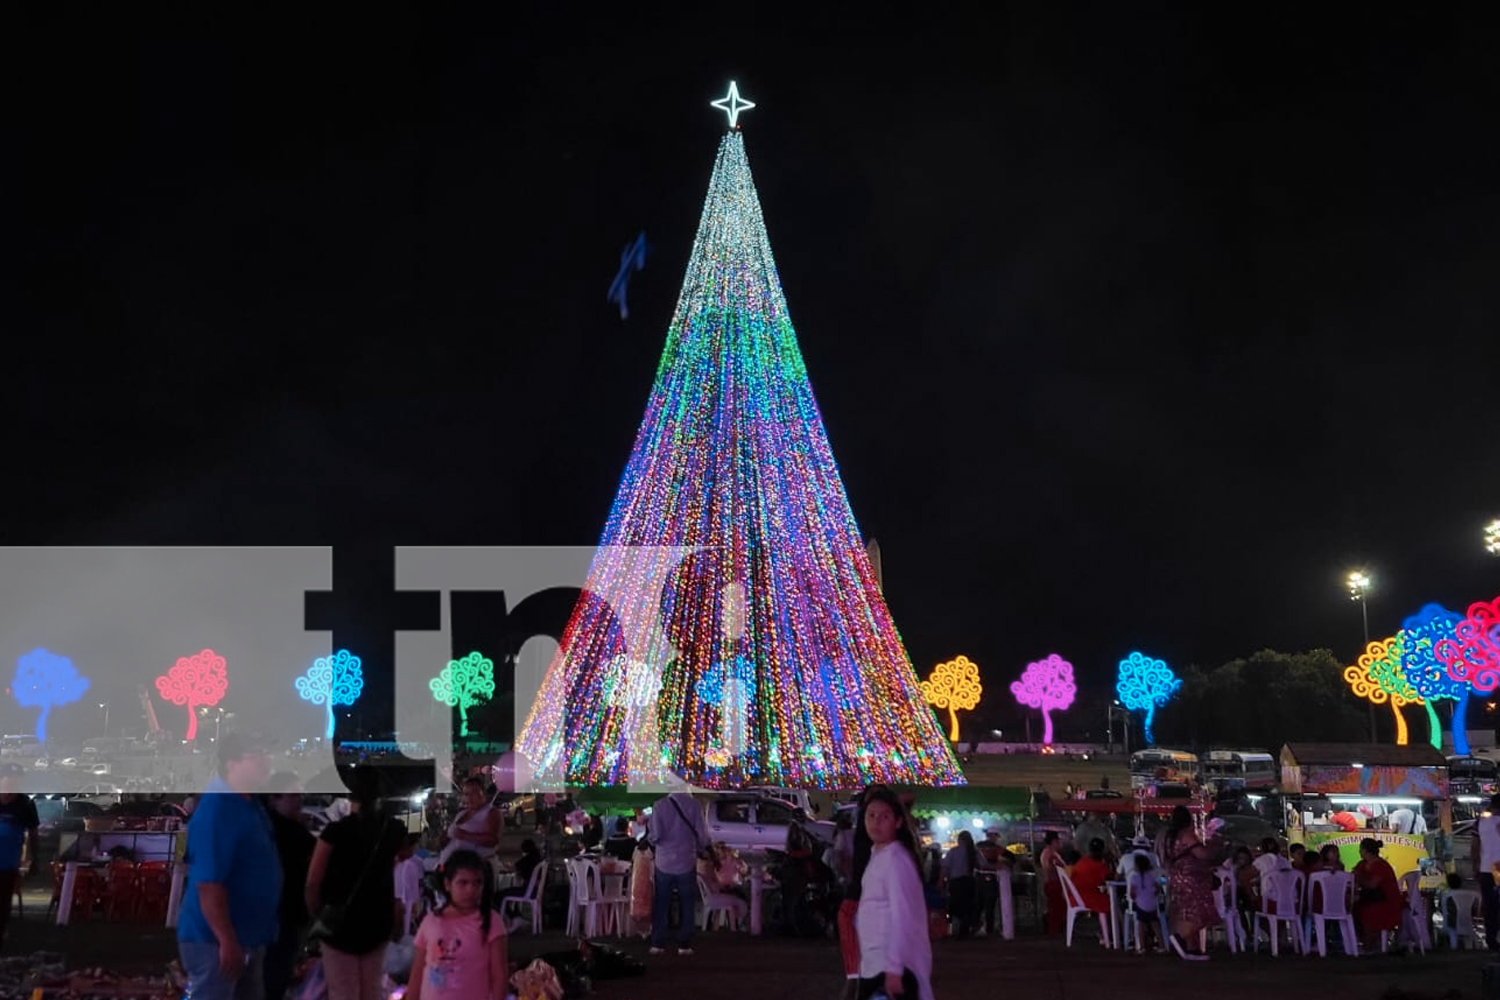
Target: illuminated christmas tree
pixel 731 578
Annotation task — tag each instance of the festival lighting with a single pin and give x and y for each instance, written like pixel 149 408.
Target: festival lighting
pixel 732 466
pixel 1428 675
pixel 463 684
pixel 954 685
pixel 332 680
pixel 1048 685
pixel 1378 678
pixel 1472 652
pixel 46 680
pixel 194 681
pixel 1145 684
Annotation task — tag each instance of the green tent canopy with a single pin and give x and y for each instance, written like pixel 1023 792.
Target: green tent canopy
pixel 613 800
pixel 969 800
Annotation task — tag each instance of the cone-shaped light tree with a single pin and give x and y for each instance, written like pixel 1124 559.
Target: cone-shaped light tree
pixel 732 505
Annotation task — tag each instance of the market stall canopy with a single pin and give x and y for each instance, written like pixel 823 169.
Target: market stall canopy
pixel 1009 803
pixel 1364 769
pixel 613 800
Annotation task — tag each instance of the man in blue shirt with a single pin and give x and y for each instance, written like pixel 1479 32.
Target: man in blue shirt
pixel 233 888
pixel 18 824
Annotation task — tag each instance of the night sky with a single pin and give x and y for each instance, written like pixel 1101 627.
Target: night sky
pixel 1133 327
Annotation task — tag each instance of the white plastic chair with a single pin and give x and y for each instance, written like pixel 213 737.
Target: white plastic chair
pixel 1416 922
pixel 1285 889
pixel 530 899
pixel 600 911
pixel 1077 907
pixel 729 907
pixel 1227 903
pixel 1460 928
pixel 1334 893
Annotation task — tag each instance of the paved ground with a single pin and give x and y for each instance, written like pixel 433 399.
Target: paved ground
pixel 731 966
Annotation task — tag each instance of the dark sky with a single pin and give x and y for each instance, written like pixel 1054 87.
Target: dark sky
pixel 1133 327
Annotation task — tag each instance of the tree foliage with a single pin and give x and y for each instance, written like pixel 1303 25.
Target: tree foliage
pixel 1262 702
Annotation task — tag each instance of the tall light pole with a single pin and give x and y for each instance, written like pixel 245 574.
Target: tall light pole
pixel 105 705
pixel 1492 537
pixel 1359 589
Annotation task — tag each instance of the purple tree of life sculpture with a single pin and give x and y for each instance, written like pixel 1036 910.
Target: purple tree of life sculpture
pixel 1048 685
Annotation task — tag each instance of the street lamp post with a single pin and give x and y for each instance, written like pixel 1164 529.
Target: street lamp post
pixel 105 705
pixel 1492 537
pixel 1359 589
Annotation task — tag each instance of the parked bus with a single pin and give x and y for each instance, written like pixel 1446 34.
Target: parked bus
pixel 1473 776
pixel 1155 766
pixel 1241 769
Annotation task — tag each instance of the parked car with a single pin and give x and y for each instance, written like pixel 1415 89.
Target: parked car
pixel 102 796
pixel 749 822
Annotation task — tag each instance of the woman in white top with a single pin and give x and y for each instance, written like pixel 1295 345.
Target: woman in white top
pixel 477 826
pixel 895 954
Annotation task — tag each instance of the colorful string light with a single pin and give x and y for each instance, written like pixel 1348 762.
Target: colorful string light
pixel 731 497
pixel 1048 685
pixel 1145 684
pixel 1429 675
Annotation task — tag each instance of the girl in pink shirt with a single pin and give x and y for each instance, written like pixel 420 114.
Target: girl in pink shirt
pixel 460 950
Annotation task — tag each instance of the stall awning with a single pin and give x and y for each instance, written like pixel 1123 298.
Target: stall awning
pixel 969 800
pixel 613 800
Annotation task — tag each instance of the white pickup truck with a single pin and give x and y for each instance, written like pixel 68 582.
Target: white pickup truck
pixel 746 821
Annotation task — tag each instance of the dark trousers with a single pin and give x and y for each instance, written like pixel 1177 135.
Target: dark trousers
pixel 875 984
pixel 661 907
pixel 963 904
pixel 989 901
pixel 281 959
pixel 1489 894
pixel 8 881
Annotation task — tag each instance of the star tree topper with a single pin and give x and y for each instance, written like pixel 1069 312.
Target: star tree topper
pixel 732 104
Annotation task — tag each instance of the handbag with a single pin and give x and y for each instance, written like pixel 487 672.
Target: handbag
pixel 706 851
pixel 331 916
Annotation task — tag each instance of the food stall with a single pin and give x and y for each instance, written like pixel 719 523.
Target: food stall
pixel 1341 793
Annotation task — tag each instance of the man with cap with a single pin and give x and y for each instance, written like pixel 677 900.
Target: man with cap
pixel 233 889
pixel 18 824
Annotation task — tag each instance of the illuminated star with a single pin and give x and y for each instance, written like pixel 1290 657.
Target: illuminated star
pixel 732 105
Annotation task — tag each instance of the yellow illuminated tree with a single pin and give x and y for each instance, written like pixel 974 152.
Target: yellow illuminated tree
pixel 1378 678
pixel 955 686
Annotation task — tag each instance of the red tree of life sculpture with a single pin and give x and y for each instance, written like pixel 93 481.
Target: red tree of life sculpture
pixel 194 681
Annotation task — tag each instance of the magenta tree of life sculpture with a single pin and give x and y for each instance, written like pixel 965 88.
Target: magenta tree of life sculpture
pixel 1048 685
pixel 1472 653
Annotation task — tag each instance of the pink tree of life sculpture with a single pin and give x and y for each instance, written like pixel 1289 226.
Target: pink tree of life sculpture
pixel 200 679
pixel 1472 654
pixel 1048 685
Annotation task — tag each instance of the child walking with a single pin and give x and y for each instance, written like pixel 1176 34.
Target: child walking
pixel 460 948
pixel 1143 897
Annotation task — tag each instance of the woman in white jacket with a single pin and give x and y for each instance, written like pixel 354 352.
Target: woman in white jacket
pixel 895 954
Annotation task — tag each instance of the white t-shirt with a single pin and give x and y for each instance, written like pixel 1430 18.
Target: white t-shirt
pixel 1142 889
pixel 1489 843
pixel 1268 863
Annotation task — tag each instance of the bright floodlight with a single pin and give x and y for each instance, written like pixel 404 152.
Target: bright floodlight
pixel 1359 586
pixel 1492 537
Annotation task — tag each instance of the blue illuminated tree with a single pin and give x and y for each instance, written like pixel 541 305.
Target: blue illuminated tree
pixel 46 680
pixel 1429 675
pixel 1144 685
pixel 332 680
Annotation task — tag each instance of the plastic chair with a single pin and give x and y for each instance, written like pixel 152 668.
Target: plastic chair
pixel 729 907
pixel 1281 896
pixel 531 899
pixel 1330 896
pixel 1077 907
pixel 1227 903
pixel 1460 928
pixel 1416 922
